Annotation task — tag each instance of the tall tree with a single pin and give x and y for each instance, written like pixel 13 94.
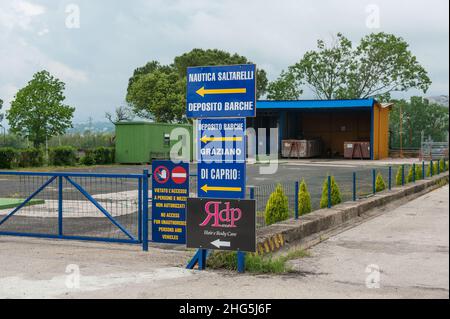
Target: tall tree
pixel 121 113
pixel 158 91
pixel 38 111
pixel 381 64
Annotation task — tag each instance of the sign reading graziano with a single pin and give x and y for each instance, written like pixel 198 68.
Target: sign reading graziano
pixel 221 91
pixel 225 224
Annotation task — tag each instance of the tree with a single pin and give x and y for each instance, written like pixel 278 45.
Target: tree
pixel 1 114
pixel 121 113
pixel 304 199
pixel 37 111
pixel 336 197
pixel 158 91
pixel 418 115
pixel 381 64
pixel 284 88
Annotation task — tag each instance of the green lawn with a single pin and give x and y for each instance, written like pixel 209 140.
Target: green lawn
pixel 6 203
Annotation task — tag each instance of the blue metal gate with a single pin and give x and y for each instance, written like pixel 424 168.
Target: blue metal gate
pixel 79 206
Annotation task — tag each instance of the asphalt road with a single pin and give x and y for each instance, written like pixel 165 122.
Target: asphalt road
pixel 400 254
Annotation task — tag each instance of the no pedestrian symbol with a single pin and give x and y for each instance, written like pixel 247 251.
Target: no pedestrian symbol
pixel 161 174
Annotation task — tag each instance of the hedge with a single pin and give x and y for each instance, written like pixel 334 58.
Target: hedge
pixel 99 156
pixel 62 156
pixel 31 157
pixel 8 157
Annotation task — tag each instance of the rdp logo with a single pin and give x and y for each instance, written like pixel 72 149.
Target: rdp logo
pixel 226 217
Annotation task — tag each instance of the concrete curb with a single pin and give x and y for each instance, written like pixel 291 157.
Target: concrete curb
pixel 274 237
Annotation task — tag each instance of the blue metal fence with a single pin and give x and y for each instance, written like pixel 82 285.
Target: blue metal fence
pixel 80 206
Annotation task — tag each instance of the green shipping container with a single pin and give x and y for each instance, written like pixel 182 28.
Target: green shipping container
pixel 140 142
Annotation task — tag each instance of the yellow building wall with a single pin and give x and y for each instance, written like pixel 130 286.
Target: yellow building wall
pixel 380 132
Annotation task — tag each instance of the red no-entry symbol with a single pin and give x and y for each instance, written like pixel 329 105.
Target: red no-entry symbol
pixel 179 175
pixel 161 174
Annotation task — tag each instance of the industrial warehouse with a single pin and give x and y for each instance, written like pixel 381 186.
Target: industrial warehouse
pixel 306 129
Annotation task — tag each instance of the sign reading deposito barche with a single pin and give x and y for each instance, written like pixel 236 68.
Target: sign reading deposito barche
pixel 222 224
pixel 221 91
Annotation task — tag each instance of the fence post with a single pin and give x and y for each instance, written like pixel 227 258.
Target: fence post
pixel 140 209
pixel 431 168
pixel 329 191
pixel 296 199
pixel 354 186
pixel 439 167
pixel 414 173
pixel 390 178
pixel 403 174
pixel 145 212
pixel 60 206
pixel 424 174
pixel 241 254
pixel 374 177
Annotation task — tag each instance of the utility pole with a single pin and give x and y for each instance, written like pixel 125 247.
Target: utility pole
pixel 401 131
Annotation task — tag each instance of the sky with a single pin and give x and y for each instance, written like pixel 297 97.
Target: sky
pixel 94 45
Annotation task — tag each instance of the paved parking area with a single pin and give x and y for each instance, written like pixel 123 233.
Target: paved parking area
pixel 400 254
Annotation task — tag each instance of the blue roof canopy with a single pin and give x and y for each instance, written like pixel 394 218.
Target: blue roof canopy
pixel 315 104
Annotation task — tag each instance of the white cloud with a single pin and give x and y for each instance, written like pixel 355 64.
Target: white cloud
pixel 65 72
pixel 19 14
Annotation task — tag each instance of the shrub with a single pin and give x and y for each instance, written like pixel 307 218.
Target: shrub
pixel 62 156
pixel 31 157
pixel 103 155
pixel 418 172
pixel 435 167
pixel 380 185
pixel 304 199
pixel 8 157
pixel 336 197
pixel 411 174
pixel 277 208
pixel 441 165
pixel 88 158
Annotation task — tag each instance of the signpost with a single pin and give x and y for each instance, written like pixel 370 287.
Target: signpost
pixel 224 224
pixel 221 180
pixel 221 97
pixel 221 91
pixel 221 140
pixel 170 190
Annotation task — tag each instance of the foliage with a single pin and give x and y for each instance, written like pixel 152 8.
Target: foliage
pixel 158 91
pixel 103 155
pixel 336 197
pixel 2 115
pixel 277 207
pixel 14 141
pixel 62 156
pixel 121 113
pixel 418 172
pixel 284 88
pixel 411 174
pixel 381 64
pixel 304 199
pixel 442 166
pixel 8 157
pixel 398 176
pixel 255 263
pixel 83 141
pixel 88 158
pixel 31 157
pixel 37 111
pixel 418 115
pixel 380 184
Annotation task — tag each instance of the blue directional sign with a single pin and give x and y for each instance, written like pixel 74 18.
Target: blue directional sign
pixel 221 91
pixel 221 140
pixel 221 180
pixel 170 190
